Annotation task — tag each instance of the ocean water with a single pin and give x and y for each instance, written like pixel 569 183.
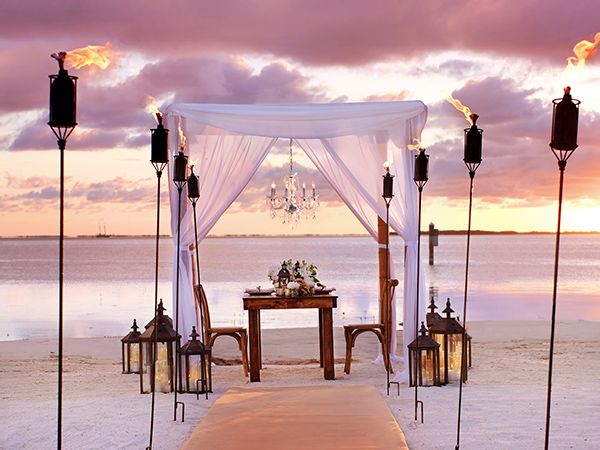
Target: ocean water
pixel 109 282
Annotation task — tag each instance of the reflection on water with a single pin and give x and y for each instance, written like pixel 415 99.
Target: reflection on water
pixel 109 282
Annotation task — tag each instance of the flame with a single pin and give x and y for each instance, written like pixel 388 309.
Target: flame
pixel 458 105
pixel 583 50
pixel 417 146
pixel 181 137
pixel 92 54
pixel 389 162
pixel 152 108
pixel 192 163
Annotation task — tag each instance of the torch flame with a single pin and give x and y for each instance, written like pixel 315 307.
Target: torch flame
pixel 192 163
pixel 472 118
pixel 389 162
pixel 416 146
pixel 583 50
pixel 181 137
pixel 152 108
pixel 92 54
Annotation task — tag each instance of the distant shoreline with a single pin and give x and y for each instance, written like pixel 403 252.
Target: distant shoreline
pixel 425 233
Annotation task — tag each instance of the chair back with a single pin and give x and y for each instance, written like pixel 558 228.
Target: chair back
pixel 202 303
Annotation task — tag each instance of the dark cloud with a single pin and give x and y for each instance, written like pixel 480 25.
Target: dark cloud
pixel 517 162
pixel 347 32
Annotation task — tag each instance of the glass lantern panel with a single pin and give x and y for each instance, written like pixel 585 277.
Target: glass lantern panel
pixel 163 368
pixel 427 368
pixel 454 356
pixel 134 357
pixel 146 367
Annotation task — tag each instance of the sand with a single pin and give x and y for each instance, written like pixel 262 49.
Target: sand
pixel 504 403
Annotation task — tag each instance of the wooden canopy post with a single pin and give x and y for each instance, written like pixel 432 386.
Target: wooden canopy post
pixel 385 312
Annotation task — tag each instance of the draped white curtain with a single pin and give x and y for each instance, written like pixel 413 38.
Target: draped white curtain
pixel 347 142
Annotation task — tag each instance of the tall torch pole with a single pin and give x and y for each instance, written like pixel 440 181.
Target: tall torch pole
pixel 388 194
pixel 420 178
pixel 193 196
pixel 63 113
pixel 565 116
pixel 180 180
pixel 472 159
pixel 159 159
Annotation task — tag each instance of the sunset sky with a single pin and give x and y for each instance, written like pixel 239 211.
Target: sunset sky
pixel 502 59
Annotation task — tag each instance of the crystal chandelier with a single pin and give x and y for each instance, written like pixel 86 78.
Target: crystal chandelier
pixel 290 206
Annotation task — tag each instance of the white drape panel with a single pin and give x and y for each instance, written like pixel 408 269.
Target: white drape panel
pixel 224 163
pixel 343 140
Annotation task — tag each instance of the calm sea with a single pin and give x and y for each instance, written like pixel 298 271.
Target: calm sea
pixel 109 282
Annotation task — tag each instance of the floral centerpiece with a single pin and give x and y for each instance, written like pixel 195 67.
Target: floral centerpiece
pixel 302 274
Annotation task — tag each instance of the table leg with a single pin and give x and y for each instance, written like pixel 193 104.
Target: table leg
pixel 328 359
pixel 320 337
pixel 254 338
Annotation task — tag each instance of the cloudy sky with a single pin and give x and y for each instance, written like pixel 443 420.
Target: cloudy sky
pixel 502 59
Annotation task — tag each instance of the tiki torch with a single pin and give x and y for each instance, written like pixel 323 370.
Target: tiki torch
pixel 565 116
pixel 63 113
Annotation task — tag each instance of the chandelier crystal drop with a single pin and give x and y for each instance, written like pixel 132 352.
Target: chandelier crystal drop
pixel 293 203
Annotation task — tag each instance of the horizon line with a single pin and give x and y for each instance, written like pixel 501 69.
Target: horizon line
pixel 426 233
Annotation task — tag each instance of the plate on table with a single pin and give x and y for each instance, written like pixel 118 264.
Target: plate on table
pixel 259 291
pixel 323 291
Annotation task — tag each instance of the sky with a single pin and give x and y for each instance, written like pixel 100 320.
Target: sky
pixel 502 59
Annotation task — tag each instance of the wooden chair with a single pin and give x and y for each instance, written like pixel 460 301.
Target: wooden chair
pixel 240 334
pixel 351 332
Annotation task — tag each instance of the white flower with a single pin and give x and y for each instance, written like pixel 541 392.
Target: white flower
pixel 293 285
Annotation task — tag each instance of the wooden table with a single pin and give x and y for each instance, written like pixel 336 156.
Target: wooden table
pixel 324 303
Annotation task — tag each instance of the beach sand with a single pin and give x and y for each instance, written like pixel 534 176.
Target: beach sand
pixel 503 405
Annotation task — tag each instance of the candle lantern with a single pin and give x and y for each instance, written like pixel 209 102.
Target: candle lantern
pixel 448 332
pixel 63 100
pixel 421 168
pixel 194 358
pixel 565 117
pixel 388 185
pixel 284 275
pixel 193 190
pixel 473 140
pixel 160 146
pixel 130 350
pixel 424 360
pixel 160 340
pixel 432 316
pixel 179 174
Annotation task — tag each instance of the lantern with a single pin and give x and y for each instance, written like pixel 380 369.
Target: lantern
pixel 284 275
pixel 194 358
pixel 424 360
pixel 130 350
pixel 472 141
pixel 448 332
pixel 159 341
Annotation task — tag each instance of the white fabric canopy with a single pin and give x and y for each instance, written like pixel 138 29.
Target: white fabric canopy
pixel 347 142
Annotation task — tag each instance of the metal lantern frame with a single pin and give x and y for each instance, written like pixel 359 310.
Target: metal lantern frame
pixel 424 349
pixel 160 340
pixel 130 350
pixel 449 333
pixel 194 358
pixel 284 275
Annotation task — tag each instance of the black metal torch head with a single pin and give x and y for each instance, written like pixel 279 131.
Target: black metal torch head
pixel 179 174
pixel 192 189
pixel 473 140
pixel 160 147
pixel 565 116
pixel 63 100
pixel 421 168
pixel 388 186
